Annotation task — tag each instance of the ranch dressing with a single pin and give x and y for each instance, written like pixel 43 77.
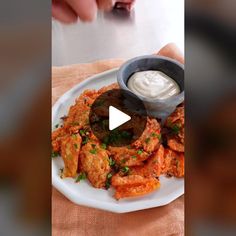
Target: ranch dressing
pixel 153 84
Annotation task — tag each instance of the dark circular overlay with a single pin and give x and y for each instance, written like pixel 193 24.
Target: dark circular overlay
pixel 126 102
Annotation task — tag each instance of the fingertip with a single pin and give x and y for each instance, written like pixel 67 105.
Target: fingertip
pixel 106 5
pixel 86 10
pixel 63 13
pixel 172 51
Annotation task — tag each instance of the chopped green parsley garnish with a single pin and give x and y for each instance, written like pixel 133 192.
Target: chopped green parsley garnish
pixel 56 126
pixel 111 162
pixel 55 154
pixel 175 128
pixel 108 181
pixel 125 170
pixel 109 175
pixel 156 135
pixel 147 140
pixel 80 177
pixel 74 136
pixel 123 160
pixel 85 140
pixel 140 151
pixel 82 132
pixel 76 145
pixel 134 157
pixel 103 146
pixel 93 151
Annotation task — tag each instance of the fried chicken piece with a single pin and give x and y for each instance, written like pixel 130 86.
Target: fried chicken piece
pixel 95 163
pixel 56 139
pixel 150 139
pixel 153 166
pixel 140 179
pixel 175 144
pixel 78 116
pixel 127 156
pixel 175 125
pixel 128 190
pixel 118 180
pixel 177 115
pixel 70 148
pixel 173 163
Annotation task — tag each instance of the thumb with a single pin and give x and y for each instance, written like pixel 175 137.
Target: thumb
pixel 172 51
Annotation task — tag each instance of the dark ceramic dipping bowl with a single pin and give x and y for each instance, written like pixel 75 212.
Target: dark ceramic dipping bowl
pixel 159 108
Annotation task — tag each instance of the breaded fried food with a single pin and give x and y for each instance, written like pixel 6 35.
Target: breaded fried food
pixel 128 156
pixel 118 180
pixel 153 166
pixel 173 163
pixel 95 163
pixel 128 190
pixel 175 144
pixel 150 139
pixel 78 116
pixel 140 179
pixel 70 148
pixel 175 125
pixel 56 139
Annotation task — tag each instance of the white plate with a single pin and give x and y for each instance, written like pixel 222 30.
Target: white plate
pixel 83 193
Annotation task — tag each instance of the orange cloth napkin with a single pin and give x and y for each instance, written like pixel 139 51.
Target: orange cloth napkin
pixel 69 219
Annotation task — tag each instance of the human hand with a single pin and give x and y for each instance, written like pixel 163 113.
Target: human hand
pixel 172 51
pixel 69 11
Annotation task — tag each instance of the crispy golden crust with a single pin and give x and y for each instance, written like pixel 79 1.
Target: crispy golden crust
pixel 173 163
pixel 56 139
pixel 70 148
pixel 150 139
pixel 125 191
pixel 175 125
pixel 140 179
pixel 175 144
pixel 95 163
pixel 127 156
pixel 78 116
pixel 153 166
pixel 131 180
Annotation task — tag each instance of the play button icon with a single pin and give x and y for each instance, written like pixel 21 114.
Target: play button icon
pixel 117 118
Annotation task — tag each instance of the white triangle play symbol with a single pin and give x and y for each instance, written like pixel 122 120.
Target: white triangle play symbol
pixel 117 118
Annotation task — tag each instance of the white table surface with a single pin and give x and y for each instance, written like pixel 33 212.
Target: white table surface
pixel 150 25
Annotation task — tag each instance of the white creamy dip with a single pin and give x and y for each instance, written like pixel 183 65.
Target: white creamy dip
pixel 153 84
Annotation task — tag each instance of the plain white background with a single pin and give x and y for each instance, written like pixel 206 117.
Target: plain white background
pixel 151 25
